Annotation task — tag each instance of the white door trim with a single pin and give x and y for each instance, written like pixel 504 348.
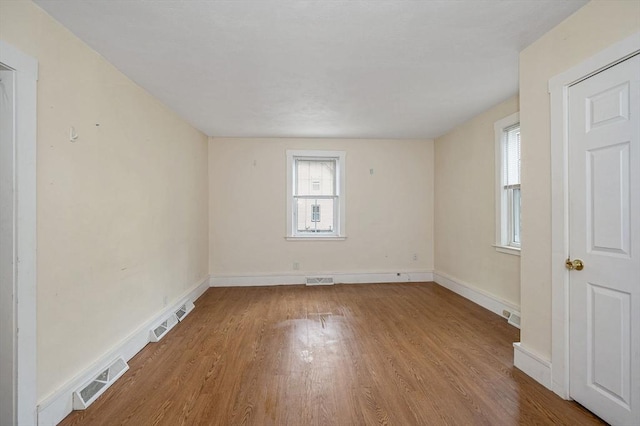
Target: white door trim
pixel 558 89
pixel 26 75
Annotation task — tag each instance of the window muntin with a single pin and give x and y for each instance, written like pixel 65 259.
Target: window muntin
pixel 315 185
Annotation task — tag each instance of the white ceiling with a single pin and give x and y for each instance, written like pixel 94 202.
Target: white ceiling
pixel 361 69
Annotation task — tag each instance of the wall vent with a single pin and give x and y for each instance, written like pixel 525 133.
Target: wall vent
pixel 159 331
pixel 514 319
pixel 184 310
pixel 90 391
pixel 320 281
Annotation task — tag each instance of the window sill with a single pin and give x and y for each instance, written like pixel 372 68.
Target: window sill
pixel 515 251
pixel 316 238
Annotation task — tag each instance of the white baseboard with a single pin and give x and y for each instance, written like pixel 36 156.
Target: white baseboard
pixel 532 365
pixel 55 407
pixel 479 297
pixel 338 278
pixel 256 280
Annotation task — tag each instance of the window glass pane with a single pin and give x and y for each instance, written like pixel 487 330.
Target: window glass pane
pixel 516 216
pixel 315 213
pixel 309 209
pixel 512 156
pixel 315 177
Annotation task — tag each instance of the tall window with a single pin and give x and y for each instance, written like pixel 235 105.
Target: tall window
pixel 315 187
pixel 508 207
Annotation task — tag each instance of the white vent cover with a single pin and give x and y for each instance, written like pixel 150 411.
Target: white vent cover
pixel 514 319
pixel 89 392
pixel 159 331
pixel 319 280
pixel 184 310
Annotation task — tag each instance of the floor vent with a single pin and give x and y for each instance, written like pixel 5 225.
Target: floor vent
pixel 159 331
pixel 90 391
pixel 184 310
pixel 319 280
pixel 514 319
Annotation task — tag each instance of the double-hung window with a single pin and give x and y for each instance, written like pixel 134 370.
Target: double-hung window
pixel 315 194
pixel 508 207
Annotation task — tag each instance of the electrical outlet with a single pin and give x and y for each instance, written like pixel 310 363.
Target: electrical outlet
pixel 506 313
pixel 165 301
pixel 296 266
pixel 415 256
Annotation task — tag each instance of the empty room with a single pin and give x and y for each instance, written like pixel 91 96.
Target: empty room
pixel 287 212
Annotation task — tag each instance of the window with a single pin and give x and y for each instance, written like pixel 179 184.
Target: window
pixel 315 194
pixel 508 207
pixel 315 213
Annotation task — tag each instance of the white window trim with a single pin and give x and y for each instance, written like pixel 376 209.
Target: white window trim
pixel 502 221
pixel 339 233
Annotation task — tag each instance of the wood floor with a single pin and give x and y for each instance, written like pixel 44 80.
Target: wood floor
pixel 397 354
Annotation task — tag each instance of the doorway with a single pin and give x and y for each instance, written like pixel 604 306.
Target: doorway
pixel 604 225
pixel 19 74
pixel 7 249
pixel 596 232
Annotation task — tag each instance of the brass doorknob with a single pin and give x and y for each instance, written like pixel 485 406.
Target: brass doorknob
pixel 576 264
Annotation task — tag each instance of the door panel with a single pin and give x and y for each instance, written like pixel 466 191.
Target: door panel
pixel 608 106
pixel 607 201
pixel 608 320
pixel 604 232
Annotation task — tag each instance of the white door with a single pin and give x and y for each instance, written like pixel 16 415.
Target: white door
pixel 7 252
pixel 604 233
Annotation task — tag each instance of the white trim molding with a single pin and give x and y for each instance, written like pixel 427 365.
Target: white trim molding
pixel 55 407
pixel 316 238
pixel 515 251
pixel 26 77
pixel 477 296
pixel 532 365
pixel 338 278
pixel 559 89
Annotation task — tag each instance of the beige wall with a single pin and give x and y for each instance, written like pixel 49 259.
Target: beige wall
pixel 122 212
pixel 389 215
pixel 591 29
pixel 465 208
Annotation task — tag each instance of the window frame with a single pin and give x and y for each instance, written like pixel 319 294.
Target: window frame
pixel 338 232
pixel 503 201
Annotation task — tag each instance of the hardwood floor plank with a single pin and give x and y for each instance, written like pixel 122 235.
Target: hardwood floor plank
pixel 386 354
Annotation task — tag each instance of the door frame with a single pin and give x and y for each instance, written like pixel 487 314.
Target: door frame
pixel 24 139
pixel 559 90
